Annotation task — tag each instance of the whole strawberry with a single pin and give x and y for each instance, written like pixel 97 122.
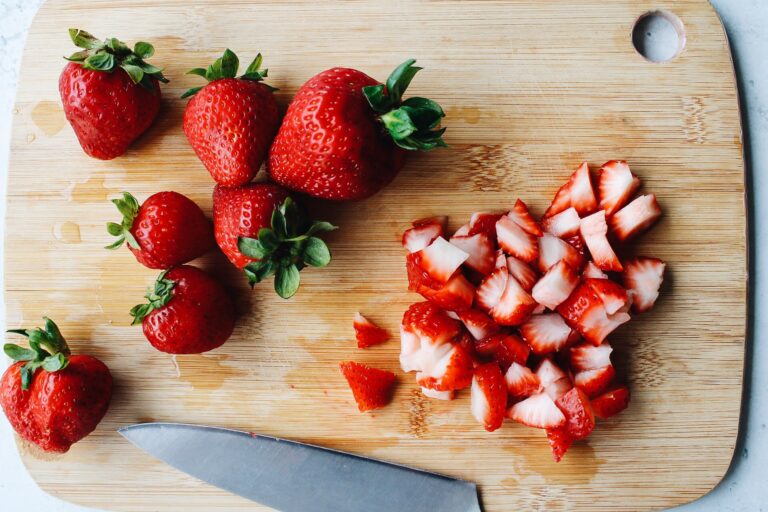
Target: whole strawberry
pixel 231 121
pixel 187 312
pixel 345 136
pixel 110 94
pixel 168 229
pixel 262 231
pixel 52 398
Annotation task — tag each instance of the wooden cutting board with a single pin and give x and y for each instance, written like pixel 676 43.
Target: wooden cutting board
pixel 531 88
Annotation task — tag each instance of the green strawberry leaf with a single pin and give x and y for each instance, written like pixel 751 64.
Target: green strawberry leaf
pixel 226 66
pixel 191 92
pixel 400 79
pixel 157 297
pixel 100 61
pixel 316 253
pixel 229 64
pixel 135 72
pixel 252 247
pixel 287 281
pixel 47 348
pixel 18 353
pixel 83 39
pixel 143 49
pixel 255 65
pixel 55 363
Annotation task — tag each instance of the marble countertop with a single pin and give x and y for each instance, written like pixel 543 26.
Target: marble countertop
pixel 743 488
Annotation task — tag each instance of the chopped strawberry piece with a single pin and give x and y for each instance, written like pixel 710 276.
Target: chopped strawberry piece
pixel 643 278
pixel 371 387
pixel 593 271
pixel 521 382
pixel 419 237
pixel 484 223
pixel 559 442
pixel 478 323
pixel 615 185
pixel 579 418
pixel 438 395
pixel 489 293
pixel 559 388
pixel 522 217
pixel 455 295
pixel 514 306
pixel 538 411
pixel 411 357
pixel 521 271
pixel 367 333
pixel 594 382
pixel 489 396
pixel 636 217
pixel 462 231
pixel 481 250
pixel 611 402
pixel 539 309
pixel 586 356
pixel 441 259
pixel 582 193
pixel 552 250
pixel 577 243
pixel 613 295
pixel 515 241
pixel 561 201
pixel 594 231
pixel 505 348
pixel 585 312
pixel 429 321
pixel 563 225
pixel 501 259
pixel 545 333
pixel 556 285
pixel 554 380
pixel 453 371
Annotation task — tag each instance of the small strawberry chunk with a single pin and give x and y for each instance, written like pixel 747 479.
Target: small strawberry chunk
pixel 521 271
pixel 579 417
pixel 586 356
pixel 611 402
pixel 522 217
pixel 489 293
pixel 545 333
pixel 371 387
pixel 594 382
pixel 615 185
pixel 501 259
pixel 559 442
pixel 505 348
pixel 538 411
pixel 577 192
pixel 563 225
pixel 554 380
pixel 423 233
pixel 593 271
pixel 521 382
pixel 367 333
pixel 515 241
pixel 441 259
pixel 614 297
pixel 552 250
pixel 484 223
pixel 478 323
pixel 453 371
pixel 636 217
pixel 577 243
pixel 438 395
pixel 410 351
pixel 429 321
pixel 514 306
pixel 585 312
pixel 594 231
pixel 455 295
pixel 481 250
pixel 556 285
pixel 643 278
pixel 462 231
pixel 489 396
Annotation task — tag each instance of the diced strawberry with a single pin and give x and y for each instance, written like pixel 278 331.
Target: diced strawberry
pixel 594 382
pixel 559 442
pixel 419 237
pixel 371 387
pixel 455 295
pixel 559 388
pixel 593 271
pixel 462 231
pixel 615 185
pixel 582 193
pixel 563 225
pixel 417 276
pixel 548 372
pixel 521 271
pixel 410 351
pixel 522 217
pixel 440 220
pixel 545 333
pixel 429 321
pixel 613 295
pixel 441 259
pixel 643 278
pixel 556 285
pixel 586 356
pixel 636 217
pixel 611 402
pixel 594 231
pixel 481 250
pixel 501 259
pixel 579 418
pixel 453 314
pixel 537 411
pixel 478 323
pixel 484 223
pixel 489 293
pixel 504 347
pixel 585 312
pixel 561 201
pixel 515 305
pixel 453 371
pixel 577 243
pixel 521 382
pixel 515 241
pixel 552 250
pixel 367 333
pixel 489 396
pixel 539 309
pixel 438 395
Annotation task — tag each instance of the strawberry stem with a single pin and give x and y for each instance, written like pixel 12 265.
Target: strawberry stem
pixel 128 206
pixel 226 66
pixel 156 298
pixel 47 350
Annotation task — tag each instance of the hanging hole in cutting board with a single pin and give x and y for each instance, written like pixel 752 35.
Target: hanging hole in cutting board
pixel 659 36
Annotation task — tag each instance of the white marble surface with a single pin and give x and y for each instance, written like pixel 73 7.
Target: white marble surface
pixel 744 487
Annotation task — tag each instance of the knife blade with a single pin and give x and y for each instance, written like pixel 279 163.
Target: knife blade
pixel 297 477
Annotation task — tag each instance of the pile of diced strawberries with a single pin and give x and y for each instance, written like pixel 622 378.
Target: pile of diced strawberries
pixel 520 310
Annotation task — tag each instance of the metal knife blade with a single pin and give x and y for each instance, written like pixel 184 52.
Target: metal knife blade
pixel 296 477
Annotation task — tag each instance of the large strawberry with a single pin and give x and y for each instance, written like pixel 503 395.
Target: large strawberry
pixel 345 135
pixel 109 92
pixel 231 121
pixel 187 312
pixel 51 397
pixel 262 231
pixel 168 229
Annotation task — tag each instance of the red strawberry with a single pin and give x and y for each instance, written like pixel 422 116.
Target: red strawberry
pixel 421 235
pixel 371 387
pixel 585 312
pixel 230 122
pixel 505 348
pixel 478 323
pixel 367 333
pixel 615 185
pixel 552 250
pixel 429 321
pixel 514 306
pixel 586 356
pixel 538 411
pixel 579 418
pixel 577 192
pixel 593 271
pixel 594 382
pixel 516 241
pixel 262 231
pixel 489 293
pixel 521 382
pixel 556 285
pixel 559 442
pixel 522 217
pixel 168 229
pixel 614 297
pixel 489 396
pixel 481 250
pixel 524 274
pixel 484 223
pixel 564 224
pixel 52 398
pixel 636 217
pixel 451 372
pixel 546 333
pixel 643 278
pixel 345 136
pixel 594 231
pixel 441 259
pixel 611 402
pixel 110 94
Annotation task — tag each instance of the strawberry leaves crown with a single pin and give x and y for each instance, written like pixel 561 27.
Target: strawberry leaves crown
pixel 47 350
pixel 128 206
pixel 285 248
pixel 157 297
pixel 112 53
pixel 226 66
pixel 413 123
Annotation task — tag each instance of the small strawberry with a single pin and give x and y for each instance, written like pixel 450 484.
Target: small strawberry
pixel 481 251
pixel 51 397
pixel 187 312
pixel 515 305
pixel 345 136
pixel 489 293
pixel 516 241
pixel 478 323
pixel 371 387
pixel 489 396
pixel 611 402
pixel 429 321
pixel 522 217
pixel 503 347
pixel 262 231
pixel 441 259
pixel 110 94
pixel 166 230
pixel 483 223
pixel 585 312
pixel 554 380
pixel 614 297
pixel 367 333
pixel 231 121
pixel 586 356
pixel 577 192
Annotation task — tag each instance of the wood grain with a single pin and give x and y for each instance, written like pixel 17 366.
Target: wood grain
pixel 531 88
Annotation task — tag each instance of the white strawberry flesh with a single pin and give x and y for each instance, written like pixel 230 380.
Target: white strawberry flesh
pixel 594 231
pixel 515 241
pixel 538 411
pixel 546 333
pixel 553 249
pixel 643 278
pixel 586 356
pixel 615 185
pixel 441 259
pixel 563 225
pixel 556 285
pixel 635 218
pixel 481 251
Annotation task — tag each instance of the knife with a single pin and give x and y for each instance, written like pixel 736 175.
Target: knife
pixel 297 477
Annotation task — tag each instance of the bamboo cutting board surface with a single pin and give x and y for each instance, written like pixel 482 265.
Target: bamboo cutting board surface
pixel 531 88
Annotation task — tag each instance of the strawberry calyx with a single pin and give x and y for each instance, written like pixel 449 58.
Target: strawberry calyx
pixel 285 248
pixel 47 350
pixel 226 66
pixel 157 297
pixel 414 123
pixel 112 53
pixel 128 206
